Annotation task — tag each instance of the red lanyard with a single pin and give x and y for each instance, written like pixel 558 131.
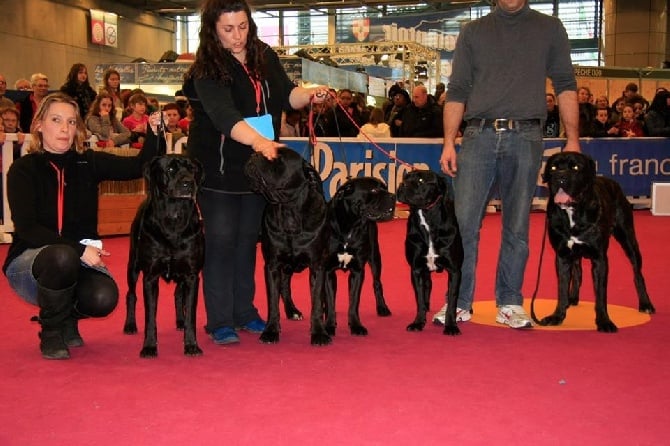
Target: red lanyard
pixel 60 176
pixel 257 87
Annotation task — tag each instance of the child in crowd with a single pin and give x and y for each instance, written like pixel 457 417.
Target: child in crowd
pixel 628 126
pixel 376 127
pixel 171 116
pixel 103 123
pixel 111 80
pixel 601 126
pixel 9 123
pixel 185 122
pixel 136 122
pixel 290 125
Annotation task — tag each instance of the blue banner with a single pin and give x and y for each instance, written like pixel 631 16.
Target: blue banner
pixel 634 163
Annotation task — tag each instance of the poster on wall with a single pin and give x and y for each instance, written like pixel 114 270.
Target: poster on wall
pixel 104 29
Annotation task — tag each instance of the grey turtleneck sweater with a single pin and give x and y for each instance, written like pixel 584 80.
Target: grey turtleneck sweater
pixel 501 63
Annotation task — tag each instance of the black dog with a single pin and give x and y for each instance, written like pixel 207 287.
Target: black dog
pixel 582 212
pixel 167 241
pixel 294 234
pixel 433 242
pixel 353 214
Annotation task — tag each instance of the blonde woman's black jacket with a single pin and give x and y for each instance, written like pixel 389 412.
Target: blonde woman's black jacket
pixel 32 191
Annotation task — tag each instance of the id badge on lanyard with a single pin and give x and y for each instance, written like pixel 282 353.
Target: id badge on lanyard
pixel 261 123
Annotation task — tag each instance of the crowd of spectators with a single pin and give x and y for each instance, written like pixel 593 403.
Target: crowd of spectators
pixel 630 115
pixel 115 116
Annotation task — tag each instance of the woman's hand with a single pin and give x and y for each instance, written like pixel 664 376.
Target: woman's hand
pixel 266 147
pixel 93 256
pixel 320 95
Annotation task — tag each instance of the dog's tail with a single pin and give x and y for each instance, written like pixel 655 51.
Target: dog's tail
pixel 539 270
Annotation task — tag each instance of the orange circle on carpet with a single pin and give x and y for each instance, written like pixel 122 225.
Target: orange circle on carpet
pixel 581 317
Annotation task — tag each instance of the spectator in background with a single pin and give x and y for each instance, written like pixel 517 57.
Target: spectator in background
pixel 290 125
pixel 393 116
pixel 185 122
pixel 440 88
pixel 601 126
pixel 104 124
pixel 4 102
pixel 22 85
pixel 111 83
pixel 78 88
pixel 346 117
pixel 172 117
pixel 552 126
pixel 152 105
pixel 617 109
pixel 136 122
pixel 628 126
pixel 602 102
pixel 182 103
pixel 375 127
pixel 631 95
pixel 657 119
pixel 423 117
pixel 9 120
pixel 586 111
pixel 27 107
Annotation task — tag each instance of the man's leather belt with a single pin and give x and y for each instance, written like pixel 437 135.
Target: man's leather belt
pixel 502 125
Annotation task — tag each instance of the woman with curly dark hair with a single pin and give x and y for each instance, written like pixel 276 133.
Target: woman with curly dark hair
pixel 78 88
pixel 238 89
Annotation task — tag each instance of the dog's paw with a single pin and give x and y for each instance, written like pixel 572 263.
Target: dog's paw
pixel 130 328
pixel 294 315
pixel 269 336
pixel 383 311
pixel 321 339
pixel 647 308
pixel 330 329
pixel 552 320
pixel 192 350
pixel 149 352
pixel 606 326
pixel 416 326
pixel 358 330
pixel 451 330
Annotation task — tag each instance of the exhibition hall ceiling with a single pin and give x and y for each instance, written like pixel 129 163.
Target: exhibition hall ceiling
pixel 182 7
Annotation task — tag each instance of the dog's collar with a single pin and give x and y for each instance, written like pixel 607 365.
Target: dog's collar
pixel 434 203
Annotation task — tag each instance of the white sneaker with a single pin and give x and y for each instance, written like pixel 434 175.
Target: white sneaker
pixel 514 316
pixel 461 315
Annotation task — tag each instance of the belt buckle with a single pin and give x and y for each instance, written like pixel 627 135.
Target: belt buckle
pixel 501 125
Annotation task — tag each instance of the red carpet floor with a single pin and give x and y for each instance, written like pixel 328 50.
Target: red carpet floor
pixel 492 385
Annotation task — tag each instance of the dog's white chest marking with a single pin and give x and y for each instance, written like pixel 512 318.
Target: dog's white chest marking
pixel 573 240
pixel 344 258
pixel 431 256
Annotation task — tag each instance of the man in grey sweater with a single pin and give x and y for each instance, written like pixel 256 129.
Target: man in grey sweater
pixel 498 85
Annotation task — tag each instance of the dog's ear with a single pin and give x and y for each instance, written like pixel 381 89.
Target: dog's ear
pixel 149 167
pixel 546 173
pixel 312 177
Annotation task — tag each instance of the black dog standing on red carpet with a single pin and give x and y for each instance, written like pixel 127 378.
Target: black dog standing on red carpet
pixel 353 214
pixel 433 242
pixel 583 211
pixel 167 241
pixel 294 235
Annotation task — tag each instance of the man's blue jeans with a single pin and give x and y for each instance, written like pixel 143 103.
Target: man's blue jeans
pixel 510 160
